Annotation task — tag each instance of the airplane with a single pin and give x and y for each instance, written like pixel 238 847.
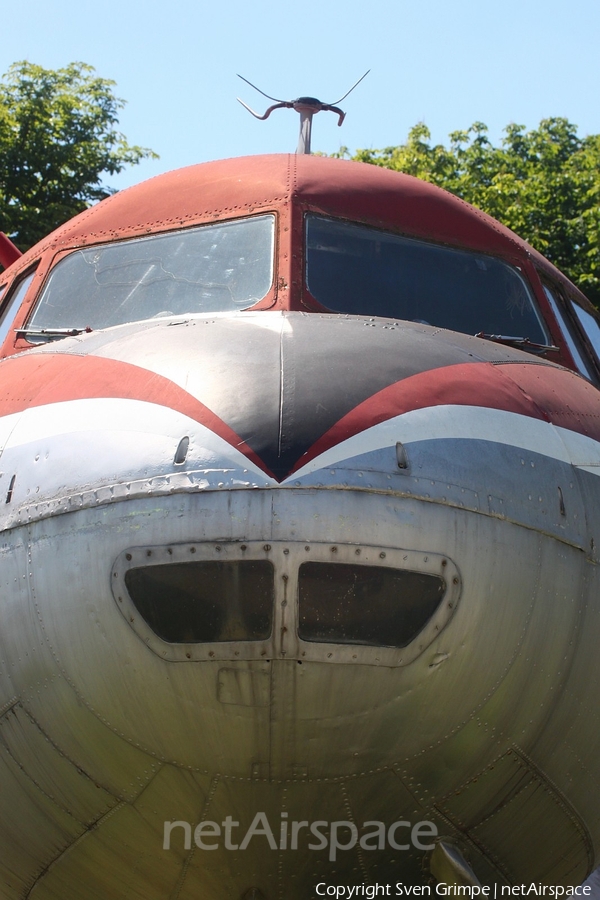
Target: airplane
pixel 300 521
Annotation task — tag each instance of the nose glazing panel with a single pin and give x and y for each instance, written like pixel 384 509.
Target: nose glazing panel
pixel 310 601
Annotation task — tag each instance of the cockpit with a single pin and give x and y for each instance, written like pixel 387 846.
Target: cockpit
pixel 228 266
pixel 339 238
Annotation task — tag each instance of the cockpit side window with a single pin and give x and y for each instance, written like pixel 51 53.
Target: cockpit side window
pixel 589 326
pixel 9 308
pixel 571 339
pixel 220 267
pixel 359 270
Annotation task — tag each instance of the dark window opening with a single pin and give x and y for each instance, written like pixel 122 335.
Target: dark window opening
pixel 201 602
pixel 358 270
pixel 374 605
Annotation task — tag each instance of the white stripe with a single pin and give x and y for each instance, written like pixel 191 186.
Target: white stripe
pixel 108 434
pixel 7 423
pixel 466 422
pixel 100 435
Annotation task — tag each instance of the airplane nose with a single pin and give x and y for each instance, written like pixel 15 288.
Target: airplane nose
pixel 323 587
pixel 313 655
pixel 286 537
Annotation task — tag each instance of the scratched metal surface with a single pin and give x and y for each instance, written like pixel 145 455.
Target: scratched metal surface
pixel 95 723
pixel 490 721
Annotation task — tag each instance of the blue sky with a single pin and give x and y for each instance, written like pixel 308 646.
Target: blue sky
pixel 445 63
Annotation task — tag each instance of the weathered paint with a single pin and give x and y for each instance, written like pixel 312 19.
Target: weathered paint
pixel 272 434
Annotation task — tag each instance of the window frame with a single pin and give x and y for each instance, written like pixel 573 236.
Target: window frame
pixel 11 301
pixel 64 254
pixel 594 353
pixel 284 642
pixel 570 331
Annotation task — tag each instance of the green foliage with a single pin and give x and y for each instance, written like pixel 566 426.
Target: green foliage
pixel 544 184
pixel 57 139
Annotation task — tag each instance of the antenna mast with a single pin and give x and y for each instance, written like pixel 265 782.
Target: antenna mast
pixel 306 106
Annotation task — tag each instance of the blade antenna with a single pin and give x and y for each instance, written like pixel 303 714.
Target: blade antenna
pixel 268 96
pixel 335 102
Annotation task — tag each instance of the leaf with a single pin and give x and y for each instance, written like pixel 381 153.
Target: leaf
pixel 58 138
pixel 544 184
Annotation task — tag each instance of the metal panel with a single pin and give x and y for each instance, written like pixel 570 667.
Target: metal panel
pixel 56 776
pixel 501 808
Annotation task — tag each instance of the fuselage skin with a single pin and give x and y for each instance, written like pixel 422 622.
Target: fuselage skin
pixel 310 437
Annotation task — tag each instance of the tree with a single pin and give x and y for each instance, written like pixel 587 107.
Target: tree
pixel 544 184
pixel 57 140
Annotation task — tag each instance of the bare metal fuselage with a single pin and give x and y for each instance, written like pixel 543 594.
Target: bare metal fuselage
pixel 484 725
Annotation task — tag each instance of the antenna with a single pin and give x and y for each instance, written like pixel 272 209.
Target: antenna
pixel 306 106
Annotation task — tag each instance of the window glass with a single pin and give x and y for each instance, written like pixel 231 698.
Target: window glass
pixel 213 268
pixel 201 602
pixel 340 603
pixel 567 332
pixel 8 314
pixel 361 271
pixel 590 326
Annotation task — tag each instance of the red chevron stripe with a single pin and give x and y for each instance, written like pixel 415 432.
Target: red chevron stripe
pixel 540 392
pixel 40 379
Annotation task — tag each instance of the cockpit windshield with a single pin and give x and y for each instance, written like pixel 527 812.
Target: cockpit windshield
pixel 359 270
pixel 219 267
